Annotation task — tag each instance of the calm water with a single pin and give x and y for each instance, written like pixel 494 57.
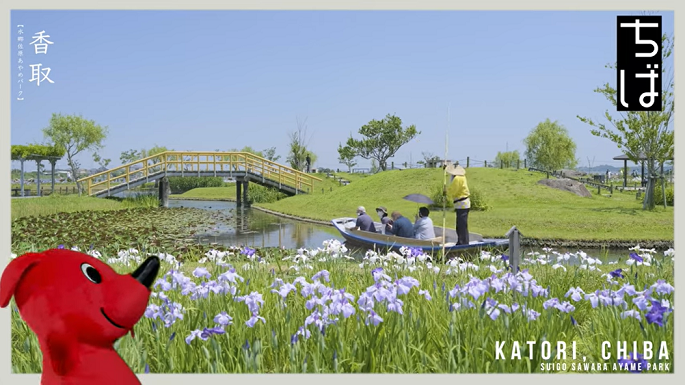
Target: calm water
pixel 254 228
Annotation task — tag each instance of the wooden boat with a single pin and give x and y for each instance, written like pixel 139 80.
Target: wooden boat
pixel 380 241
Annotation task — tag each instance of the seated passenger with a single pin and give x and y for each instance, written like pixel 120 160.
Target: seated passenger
pixel 401 226
pixel 364 221
pixel 385 219
pixel 423 227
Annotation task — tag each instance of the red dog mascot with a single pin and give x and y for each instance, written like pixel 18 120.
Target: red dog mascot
pixel 78 307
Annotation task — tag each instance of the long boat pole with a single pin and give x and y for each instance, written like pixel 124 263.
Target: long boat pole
pixel 444 187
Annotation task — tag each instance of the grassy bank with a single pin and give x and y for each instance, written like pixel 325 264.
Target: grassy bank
pixel 228 192
pixel 26 207
pixel 514 197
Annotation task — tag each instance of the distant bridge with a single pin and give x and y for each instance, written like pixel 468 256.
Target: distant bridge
pixel 244 167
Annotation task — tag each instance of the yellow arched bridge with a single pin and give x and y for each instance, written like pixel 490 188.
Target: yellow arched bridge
pixel 244 167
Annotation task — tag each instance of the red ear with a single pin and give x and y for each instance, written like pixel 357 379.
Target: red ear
pixel 13 274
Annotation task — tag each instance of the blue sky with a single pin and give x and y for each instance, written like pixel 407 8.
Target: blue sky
pixel 207 80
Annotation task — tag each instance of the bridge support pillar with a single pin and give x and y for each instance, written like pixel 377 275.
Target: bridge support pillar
pixel 238 192
pixel 164 192
pixel 246 200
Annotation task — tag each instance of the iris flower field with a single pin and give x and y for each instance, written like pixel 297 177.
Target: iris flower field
pixel 322 311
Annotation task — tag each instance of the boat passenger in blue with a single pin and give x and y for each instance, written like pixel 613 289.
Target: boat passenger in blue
pixel 401 226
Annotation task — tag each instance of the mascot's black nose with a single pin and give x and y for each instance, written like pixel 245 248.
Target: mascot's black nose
pixel 147 272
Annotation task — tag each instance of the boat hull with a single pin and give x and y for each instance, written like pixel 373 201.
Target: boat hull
pixel 379 241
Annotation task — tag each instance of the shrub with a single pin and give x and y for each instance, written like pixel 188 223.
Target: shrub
pixel 478 199
pixel 180 185
pixel 659 196
pixel 261 194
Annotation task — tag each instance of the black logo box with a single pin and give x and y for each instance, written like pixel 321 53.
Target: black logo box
pixel 629 42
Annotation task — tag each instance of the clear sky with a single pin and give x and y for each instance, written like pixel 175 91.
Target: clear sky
pixel 207 80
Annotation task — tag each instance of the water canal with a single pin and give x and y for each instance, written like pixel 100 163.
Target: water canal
pixel 254 228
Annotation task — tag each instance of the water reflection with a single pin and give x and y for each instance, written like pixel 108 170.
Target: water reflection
pixel 254 228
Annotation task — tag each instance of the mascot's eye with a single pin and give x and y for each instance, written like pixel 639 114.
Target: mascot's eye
pixel 90 273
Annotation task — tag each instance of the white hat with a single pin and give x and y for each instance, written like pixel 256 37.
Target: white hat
pixel 455 170
pixel 361 209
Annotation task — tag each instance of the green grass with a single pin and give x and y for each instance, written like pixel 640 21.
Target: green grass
pixel 431 336
pixel 228 192
pixel 515 198
pixel 26 207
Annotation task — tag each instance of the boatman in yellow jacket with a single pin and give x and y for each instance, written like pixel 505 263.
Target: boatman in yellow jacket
pixel 458 193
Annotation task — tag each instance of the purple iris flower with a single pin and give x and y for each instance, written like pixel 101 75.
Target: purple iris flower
pixel 662 287
pixel 532 314
pixel 552 302
pixel 230 276
pixel 253 320
pixel 631 313
pixel 504 257
pixel 641 301
pixel 573 320
pixel 374 318
pixel 322 274
pixel 593 298
pixel 193 335
pixel 565 307
pixel 636 257
pixel 223 319
pixel 575 293
pixel 378 274
pixel 426 294
pixel 60 247
pixel 201 272
pixel 208 332
pixel 147 368
pixel 248 252
pixel 496 284
pixel 635 364
pixel 656 313
pixel 618 273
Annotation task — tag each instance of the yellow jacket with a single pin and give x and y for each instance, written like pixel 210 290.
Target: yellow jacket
pixel 458 189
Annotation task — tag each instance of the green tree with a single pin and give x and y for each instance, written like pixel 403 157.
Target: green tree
pixel 75 134
pixel 549 147
pixel 382 139
pixel 129 156
pixel 642 133
pixel 297 154
pixel 507 159
pixel 270 154
pixel 102 162
pixel 346 156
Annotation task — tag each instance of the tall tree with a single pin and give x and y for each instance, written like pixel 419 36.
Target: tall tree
pixel 75 134
pixel 382 139
pixel 549 147
pixel 346 156
pixel 642 133
pixel 297 154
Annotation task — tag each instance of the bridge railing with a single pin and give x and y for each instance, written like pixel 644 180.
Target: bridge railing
pixel 200 164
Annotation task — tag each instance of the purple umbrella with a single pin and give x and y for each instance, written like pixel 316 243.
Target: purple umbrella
pixel 418 198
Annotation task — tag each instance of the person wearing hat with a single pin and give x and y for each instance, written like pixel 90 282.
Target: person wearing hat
pixel 364 221
pixel 385 219
pixel 458 193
